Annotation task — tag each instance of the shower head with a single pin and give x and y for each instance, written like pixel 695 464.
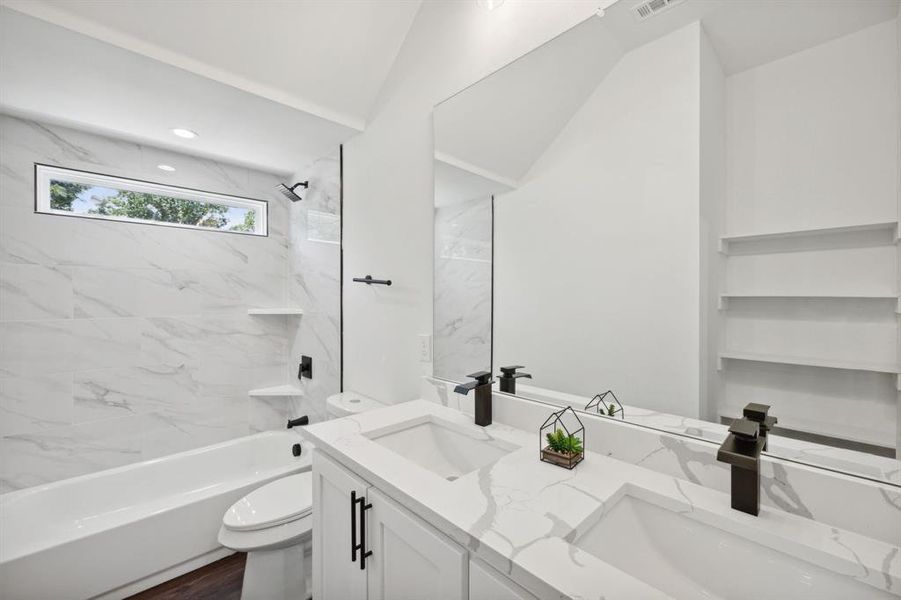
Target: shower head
pixel 289 193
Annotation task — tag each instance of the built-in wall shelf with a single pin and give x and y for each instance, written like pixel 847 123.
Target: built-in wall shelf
pixel 276 391
pixel 275 311
pixel 724 298
pixel 779 235
pixel 825 363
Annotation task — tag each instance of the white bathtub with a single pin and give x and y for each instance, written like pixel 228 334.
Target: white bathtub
pixel 114 533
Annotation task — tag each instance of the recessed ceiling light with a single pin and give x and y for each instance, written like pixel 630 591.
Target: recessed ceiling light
pixel 184 133
pixel 165 168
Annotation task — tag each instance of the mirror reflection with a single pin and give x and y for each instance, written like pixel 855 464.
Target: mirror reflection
pixel 673 220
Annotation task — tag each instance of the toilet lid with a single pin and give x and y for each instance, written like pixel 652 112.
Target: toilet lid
pixel 281 501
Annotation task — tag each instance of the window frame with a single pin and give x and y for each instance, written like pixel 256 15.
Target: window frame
pixel 43 174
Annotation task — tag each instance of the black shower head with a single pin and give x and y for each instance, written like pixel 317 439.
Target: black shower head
pixel 289 192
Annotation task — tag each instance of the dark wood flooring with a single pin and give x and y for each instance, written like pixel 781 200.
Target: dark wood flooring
pixel 220 580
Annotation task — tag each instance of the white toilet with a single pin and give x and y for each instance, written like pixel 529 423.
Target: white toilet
pixel 274 523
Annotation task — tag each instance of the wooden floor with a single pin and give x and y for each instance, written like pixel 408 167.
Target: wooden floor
pixel 220 580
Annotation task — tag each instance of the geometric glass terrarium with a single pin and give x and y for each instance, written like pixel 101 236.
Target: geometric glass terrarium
pixel 561 439
pixel 603 406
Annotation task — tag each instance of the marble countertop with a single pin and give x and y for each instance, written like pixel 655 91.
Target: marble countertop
pixel 522 515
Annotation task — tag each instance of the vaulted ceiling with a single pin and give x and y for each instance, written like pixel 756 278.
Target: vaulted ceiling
pixel 497 128
pixel 324 57
pixel 269 84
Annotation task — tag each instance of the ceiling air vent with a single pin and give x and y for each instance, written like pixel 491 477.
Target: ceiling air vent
pixel 648 9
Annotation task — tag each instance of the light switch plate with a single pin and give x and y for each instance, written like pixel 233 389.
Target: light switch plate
pixel 425 348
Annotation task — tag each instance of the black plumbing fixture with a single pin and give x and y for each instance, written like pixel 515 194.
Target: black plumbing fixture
pixel 296 449
pixel 289 193
pixel 299 421
pixel 741 449
pixel 758 413
pixel 306 368
pixel 509 376
pixel 482 386
pixel 368 280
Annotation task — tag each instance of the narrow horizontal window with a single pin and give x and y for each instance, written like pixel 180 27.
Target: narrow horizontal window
pixel 69 192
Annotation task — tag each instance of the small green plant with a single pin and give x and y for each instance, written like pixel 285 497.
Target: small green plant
pixel 564 444
pixel 611 410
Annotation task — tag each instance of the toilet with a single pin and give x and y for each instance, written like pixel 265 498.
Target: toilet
pixel 273 524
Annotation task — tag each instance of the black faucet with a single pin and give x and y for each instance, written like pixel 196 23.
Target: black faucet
pixel 482 386
pixel 758 413
pixel 741 449
pixel 298 422
pixel 509 376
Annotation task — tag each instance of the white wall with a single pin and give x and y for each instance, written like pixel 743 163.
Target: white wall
pixel 388 183
pixel 712 221
pixel 813 136
pixel 812 141
pixel 615 305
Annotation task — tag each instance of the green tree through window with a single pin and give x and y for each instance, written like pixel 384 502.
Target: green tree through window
pixel 150 207
pixel 64 193
pixel 96 195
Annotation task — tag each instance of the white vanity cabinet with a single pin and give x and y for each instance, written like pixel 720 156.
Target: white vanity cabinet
pixel 336 571
pixel 413 560
pixel 398 556
pixel 485 583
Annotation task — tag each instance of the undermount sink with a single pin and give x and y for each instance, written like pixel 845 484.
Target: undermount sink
pixel 688 560
pixel 446 449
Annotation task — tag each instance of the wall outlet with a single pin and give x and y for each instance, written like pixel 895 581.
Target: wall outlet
pixel 425 348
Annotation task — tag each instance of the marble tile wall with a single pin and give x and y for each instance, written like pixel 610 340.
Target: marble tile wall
pixel 313 284
pixel 122 342
pixel 462 310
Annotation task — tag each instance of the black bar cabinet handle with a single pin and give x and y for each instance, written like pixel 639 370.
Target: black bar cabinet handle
pixel 353 526
pixel 368 280
pixel 363 551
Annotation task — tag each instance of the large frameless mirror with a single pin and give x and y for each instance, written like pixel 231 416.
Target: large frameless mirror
pixel 666 219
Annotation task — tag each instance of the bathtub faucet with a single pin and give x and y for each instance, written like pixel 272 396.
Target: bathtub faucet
pixel 304 420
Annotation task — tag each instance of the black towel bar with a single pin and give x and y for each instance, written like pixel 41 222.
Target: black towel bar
pixel 368 280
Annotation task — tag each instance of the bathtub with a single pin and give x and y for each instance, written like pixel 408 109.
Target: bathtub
pixel 114 533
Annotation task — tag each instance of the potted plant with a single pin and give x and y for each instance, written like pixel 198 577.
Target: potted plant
pixel 602 406
pixel 559 446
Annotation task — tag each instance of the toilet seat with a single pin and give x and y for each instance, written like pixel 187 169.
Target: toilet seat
pixel 277 515
pixel 273 538
pixel 276 503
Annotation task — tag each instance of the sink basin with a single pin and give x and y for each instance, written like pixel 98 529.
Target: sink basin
pixel 687 559
pixel 446 449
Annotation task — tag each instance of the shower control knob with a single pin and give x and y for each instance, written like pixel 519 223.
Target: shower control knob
pixel 295 449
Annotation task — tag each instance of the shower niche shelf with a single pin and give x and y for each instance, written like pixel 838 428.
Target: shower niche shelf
pixel 276 391
pixel 275 311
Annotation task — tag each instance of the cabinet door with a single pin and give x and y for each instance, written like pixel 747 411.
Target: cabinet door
pixel 487 584
pixel 336 571
pixel 411 560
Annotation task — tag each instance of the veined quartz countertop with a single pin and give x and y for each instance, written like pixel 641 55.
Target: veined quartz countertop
pixel 521 515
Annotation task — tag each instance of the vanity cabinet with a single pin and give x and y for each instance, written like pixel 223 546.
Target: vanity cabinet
pixel 485 583
pixel 335 574
pixel 398 556
pixel 413 561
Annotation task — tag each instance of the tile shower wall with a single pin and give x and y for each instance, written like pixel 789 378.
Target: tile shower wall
pixel 124 342
pixel 462 337
pixel 314 247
